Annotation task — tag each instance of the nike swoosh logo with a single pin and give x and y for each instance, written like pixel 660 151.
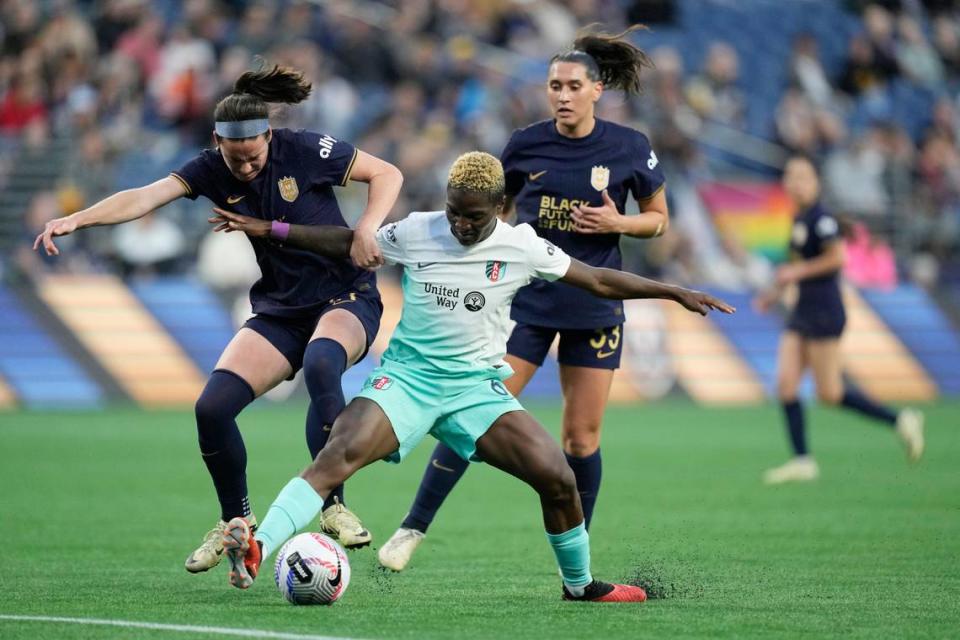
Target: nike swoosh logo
pixel 424 265
pixel 534 176
pixel 327 427
pixel 234 199
pixel 335 582
pixel 604 354
pixel 437 465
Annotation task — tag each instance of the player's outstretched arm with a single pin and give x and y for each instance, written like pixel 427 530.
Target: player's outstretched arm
pixel 119 208
pixel 619 285
pixel 326 240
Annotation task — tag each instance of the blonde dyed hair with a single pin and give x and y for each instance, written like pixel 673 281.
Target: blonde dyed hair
pixel 477 171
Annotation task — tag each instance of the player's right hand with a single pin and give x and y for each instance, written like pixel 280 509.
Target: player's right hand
pixel 58 227
pixel 702 303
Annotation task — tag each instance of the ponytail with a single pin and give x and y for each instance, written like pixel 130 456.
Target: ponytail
pixel 610 59
pixel 255 89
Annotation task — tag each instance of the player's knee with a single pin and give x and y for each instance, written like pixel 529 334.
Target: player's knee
pixel 786 390
pixel 557 484
pixel 324 361
pixel 582 440
pixel 829 395
pixel 222 399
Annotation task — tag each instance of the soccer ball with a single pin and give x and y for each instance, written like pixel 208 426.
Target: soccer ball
pixel 312 569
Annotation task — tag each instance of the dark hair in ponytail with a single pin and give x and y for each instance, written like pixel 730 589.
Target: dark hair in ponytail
pixel 610 59
pixel 255 89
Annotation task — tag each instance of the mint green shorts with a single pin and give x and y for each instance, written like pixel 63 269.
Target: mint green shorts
pixel 455 411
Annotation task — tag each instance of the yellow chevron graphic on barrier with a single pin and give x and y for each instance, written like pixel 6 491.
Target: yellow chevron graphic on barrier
pixel 877 360
pixel 127 340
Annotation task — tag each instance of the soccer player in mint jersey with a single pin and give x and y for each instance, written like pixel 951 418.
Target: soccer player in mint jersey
pixel 443 370
pixel 569 178
pixel 812 336
pixel 313 312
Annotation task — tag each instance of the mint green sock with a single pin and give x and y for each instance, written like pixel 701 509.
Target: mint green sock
pixel 572 549
pixel 296 505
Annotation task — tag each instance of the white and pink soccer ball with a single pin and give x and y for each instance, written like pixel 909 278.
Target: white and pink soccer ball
pixel 312 569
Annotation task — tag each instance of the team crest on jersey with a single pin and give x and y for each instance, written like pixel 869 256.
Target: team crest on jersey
pixel 495 270
pixel 381 382
pixel 599 177
pixel 288 188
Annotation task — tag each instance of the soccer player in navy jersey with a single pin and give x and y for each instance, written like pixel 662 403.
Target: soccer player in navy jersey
pixel 569 178
pixel 812 336
pixel 313 312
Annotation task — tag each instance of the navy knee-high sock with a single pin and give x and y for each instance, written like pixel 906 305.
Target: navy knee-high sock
pixel 324 362
pixel 588 471
pixel 443 472
pixel 853 399
pixel 221 445
pixel 796 426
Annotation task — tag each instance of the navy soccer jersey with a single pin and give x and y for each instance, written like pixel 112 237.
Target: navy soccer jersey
pixel 295 186
pixel 819 310
pixel 548 174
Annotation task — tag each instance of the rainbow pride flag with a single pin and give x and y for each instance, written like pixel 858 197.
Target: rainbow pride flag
pixel 757 214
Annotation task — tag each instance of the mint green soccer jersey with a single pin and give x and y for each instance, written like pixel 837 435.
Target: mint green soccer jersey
pixel 456 299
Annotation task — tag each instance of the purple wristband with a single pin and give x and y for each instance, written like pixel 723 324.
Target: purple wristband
pixel 279 230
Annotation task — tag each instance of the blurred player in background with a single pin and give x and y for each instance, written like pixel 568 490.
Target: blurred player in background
pixel 569 178
pixel 442 372
pixel 812 336
pixel 313 312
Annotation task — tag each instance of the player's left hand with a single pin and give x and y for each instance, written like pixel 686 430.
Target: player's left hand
pixel 700 302
pixel 365 252
pixel 602 219
pixel 229 221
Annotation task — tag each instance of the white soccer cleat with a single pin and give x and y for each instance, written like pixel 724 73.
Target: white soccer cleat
pixel 799 469
pixel 209 553
pixel 344 526
pixel 910 430
pixel 398 550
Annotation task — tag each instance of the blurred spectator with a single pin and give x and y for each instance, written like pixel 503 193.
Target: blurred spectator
pixel 946 39
pixel 182 86
pixel 937 229
pixel 917 59
pixel 806 71
pixel 714 93
pixel 803 127
pixel 864 71
pixel 151 245
pixel 22 105
pixel 853 177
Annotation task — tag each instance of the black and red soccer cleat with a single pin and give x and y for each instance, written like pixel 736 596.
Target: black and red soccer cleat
pixel 598 591
pixel 243 552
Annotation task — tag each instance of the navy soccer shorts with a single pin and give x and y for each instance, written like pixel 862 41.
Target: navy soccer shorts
pixel 822 324
pixel 291 335
pixel 593 348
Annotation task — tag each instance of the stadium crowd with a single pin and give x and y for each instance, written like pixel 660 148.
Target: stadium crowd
pixel 107 91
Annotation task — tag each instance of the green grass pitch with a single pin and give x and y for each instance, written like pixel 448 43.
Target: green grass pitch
pixel 99 511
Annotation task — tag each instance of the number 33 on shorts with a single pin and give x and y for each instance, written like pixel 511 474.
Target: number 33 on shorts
pixel 606 342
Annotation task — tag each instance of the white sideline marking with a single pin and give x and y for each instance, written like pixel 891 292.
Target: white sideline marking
pixel 184 628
